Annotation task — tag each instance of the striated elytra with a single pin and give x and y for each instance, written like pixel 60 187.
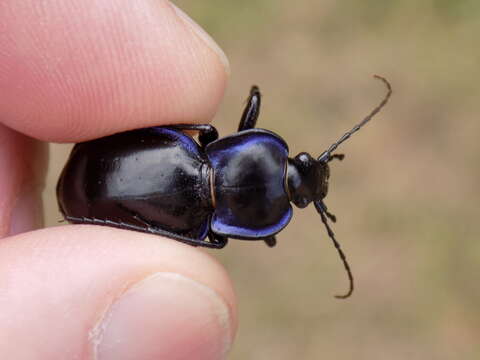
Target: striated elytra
pixel 159 180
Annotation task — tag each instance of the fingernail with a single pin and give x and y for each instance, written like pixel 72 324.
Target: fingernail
pixel 203 35
pixel 27 213
pixel 165 316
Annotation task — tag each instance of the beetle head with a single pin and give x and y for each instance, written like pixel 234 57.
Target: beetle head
pixel 307 179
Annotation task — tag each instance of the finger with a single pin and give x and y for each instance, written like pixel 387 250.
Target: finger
pixel 72 71
pixel 92 292
pixel 22 168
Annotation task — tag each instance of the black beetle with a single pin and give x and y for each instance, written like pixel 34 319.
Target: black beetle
pixel 159 180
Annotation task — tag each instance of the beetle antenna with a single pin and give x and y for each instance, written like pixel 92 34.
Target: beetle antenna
pixel 322 210
pixel 325 157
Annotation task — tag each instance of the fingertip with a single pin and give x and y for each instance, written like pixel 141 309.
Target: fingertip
pixel 119 289
pixel 76 71
pixel 178 318
pixel 23 163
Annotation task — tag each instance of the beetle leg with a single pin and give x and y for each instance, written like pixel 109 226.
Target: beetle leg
pixel 217 239
pixel 146 229
pixel 271 241
pixel 252 110
pixel 206 132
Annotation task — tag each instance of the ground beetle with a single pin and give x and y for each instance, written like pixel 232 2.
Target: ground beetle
pixel 159 180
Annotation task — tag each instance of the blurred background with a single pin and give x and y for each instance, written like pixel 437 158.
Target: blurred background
pixel 406 195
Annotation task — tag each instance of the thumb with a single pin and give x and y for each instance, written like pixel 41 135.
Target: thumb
pixel 90 292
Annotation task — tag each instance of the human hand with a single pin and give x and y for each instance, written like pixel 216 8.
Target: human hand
pixel 73 71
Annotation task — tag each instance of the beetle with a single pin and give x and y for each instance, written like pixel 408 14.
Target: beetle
pixel 159 180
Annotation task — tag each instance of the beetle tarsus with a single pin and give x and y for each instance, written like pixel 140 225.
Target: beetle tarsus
pixel 252 110
pixel 271 241
pixel 220 241
pixel 206 133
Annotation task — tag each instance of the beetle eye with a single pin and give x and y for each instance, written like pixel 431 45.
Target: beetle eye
pixel 304 160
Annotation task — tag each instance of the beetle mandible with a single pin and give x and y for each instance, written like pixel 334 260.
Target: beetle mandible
pixel 159 180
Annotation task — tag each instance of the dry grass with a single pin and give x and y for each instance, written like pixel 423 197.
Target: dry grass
pixel 406 196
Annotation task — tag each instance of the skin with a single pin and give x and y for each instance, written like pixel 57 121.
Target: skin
pixel 73 71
